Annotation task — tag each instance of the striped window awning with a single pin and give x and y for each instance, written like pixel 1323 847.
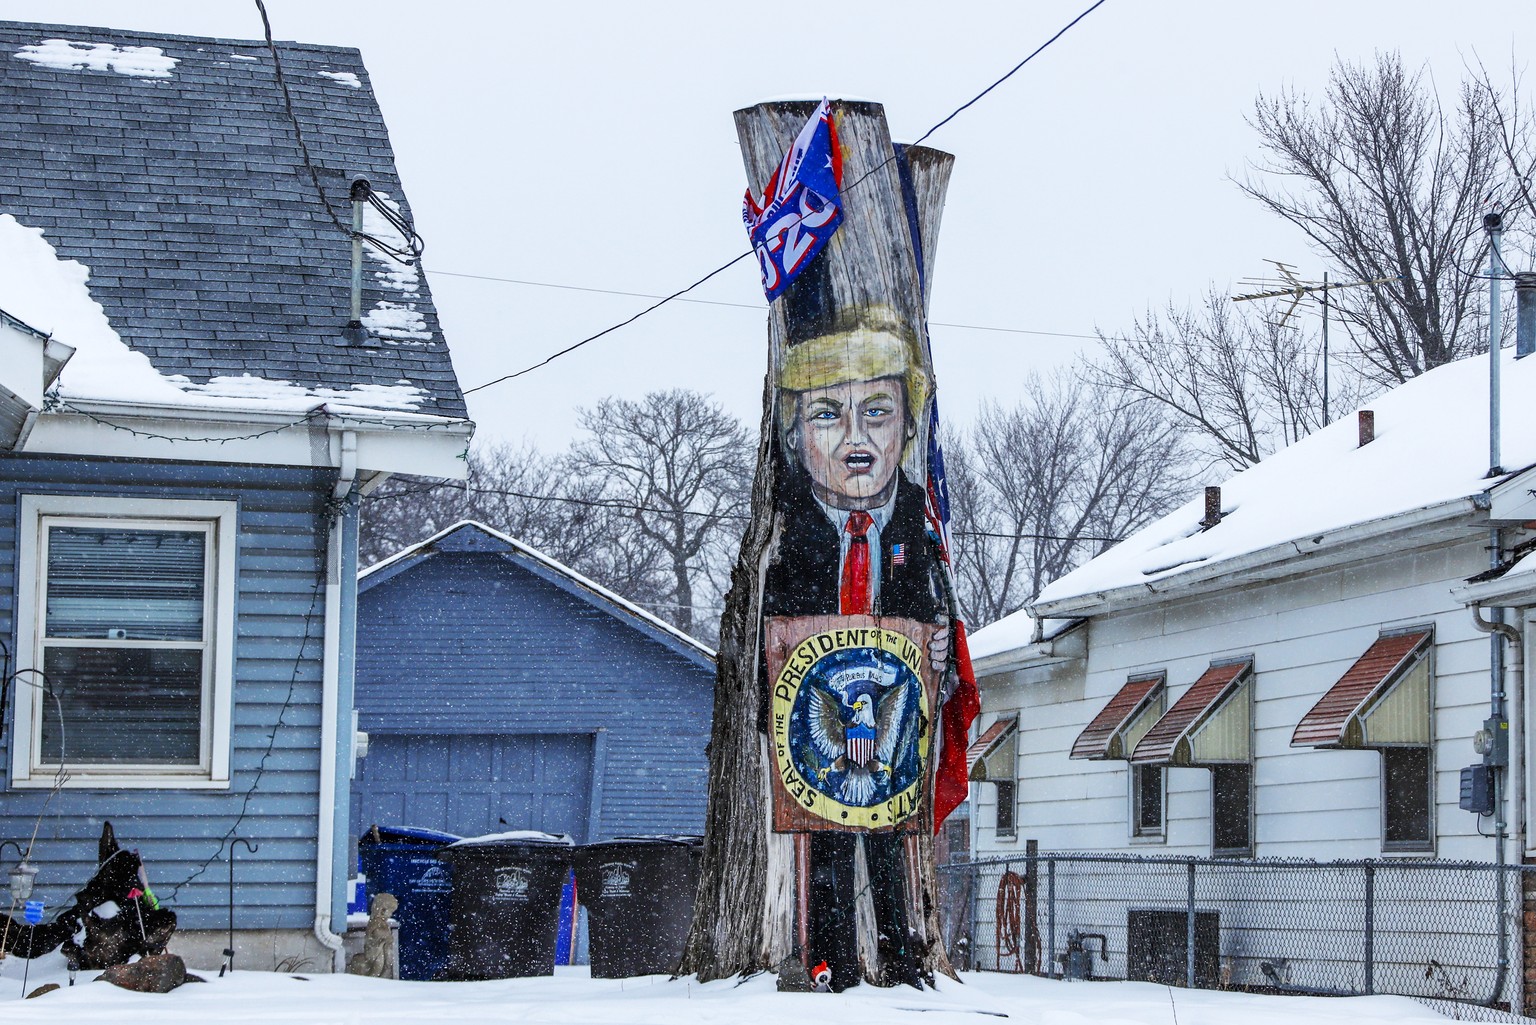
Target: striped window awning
pixel 1382 701
pixel 994 755
pixel 1212 724
pixel 1115 731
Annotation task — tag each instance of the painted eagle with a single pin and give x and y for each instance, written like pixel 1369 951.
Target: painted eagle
pixel 855 731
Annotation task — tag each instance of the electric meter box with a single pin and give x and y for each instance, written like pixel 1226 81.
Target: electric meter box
pixel 1477 789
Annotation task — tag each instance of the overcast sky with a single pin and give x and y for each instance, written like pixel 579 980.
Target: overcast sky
pixel 591 145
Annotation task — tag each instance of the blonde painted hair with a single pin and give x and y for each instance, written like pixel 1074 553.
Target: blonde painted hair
pixel 876 345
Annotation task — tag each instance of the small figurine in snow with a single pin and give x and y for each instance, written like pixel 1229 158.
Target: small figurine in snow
pixel 375 959
pixel 821 978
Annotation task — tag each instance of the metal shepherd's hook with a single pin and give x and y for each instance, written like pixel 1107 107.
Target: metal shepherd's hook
pixel 229 951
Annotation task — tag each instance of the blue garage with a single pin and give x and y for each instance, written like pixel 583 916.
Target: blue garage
pixel 501 690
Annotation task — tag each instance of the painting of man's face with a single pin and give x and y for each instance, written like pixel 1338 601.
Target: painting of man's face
pixel 850 440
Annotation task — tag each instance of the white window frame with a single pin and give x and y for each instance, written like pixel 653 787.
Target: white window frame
pixel 221 521
pixel 1138 835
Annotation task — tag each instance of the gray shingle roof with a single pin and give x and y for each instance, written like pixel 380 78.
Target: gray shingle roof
pixel 188 198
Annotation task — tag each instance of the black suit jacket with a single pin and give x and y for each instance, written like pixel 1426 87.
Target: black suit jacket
pixel 803 572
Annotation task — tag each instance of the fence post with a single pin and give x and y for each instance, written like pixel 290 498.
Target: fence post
pixel 1050 923
pixel 1370 928
pixel 1189 932
pixel 1032 904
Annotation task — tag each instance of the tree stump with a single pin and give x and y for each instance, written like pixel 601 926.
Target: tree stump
pixel 745 915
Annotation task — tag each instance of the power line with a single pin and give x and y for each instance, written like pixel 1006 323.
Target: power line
pixel 761 307
pixel 609 330
pixel 623 506
pixel 1038 50
pixel 737 259
pixel 756 307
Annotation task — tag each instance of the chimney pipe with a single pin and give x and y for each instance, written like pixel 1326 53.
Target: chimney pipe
pixel 1494 223
pixel 354 333
pixel 1212 508
pixel 1525 314
pixel 1367 427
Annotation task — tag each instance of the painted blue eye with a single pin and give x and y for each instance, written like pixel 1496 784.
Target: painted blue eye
pixel 825 414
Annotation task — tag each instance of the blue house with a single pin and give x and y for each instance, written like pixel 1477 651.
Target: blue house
pixel 501 690
pixel 192 396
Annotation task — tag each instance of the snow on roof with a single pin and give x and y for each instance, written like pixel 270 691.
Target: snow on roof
pixel 63 55
pixel 398 320
pixel 1523 571
pixel 53 296
pixel 1013 632
pixel 1430 450
pixel 530 552
pixel 344 77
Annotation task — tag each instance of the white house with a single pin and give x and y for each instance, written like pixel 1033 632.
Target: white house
pixel 1287 669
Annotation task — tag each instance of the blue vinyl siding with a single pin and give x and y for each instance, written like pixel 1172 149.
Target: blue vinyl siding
pixel 482 642
pixel 281 540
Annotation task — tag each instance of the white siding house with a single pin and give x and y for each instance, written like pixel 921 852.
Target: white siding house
pixel 1288 670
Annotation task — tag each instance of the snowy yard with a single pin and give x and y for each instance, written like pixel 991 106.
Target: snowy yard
pixel 571 998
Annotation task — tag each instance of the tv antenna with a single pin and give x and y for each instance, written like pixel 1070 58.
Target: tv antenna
pixel 1297 289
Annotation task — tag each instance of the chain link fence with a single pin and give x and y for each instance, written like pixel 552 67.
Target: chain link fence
pixel 1444 932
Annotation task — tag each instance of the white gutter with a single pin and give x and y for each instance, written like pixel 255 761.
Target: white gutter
pixel 1324 548
pixel 1017 658
pixel 1509 591
pixel 330 686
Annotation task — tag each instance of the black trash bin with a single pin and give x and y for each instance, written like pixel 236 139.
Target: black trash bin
pixel 638 892
pixel 402 861
pixel 506 904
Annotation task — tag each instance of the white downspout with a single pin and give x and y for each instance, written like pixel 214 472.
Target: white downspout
pixel 1513 683
pixel 330 685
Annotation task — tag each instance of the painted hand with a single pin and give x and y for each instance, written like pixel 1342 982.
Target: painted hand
pixel 938 649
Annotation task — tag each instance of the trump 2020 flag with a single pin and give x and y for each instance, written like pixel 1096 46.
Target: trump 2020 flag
pixel 801 207
pixel 960 704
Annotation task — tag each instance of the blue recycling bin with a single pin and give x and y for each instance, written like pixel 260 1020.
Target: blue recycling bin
pixel 403 861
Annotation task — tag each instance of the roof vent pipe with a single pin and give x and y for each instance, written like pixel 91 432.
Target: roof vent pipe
pixel 1494 223
pixel 1525 314
pixel 1212 508
pixel 1367 427
pixel 355 333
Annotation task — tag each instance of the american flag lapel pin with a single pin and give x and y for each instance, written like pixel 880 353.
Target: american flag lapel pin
pixel 898 555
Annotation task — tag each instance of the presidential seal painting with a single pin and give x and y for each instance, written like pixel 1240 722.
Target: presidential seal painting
pixel 850 714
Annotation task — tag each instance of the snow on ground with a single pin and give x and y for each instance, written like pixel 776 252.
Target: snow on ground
pixel 573 998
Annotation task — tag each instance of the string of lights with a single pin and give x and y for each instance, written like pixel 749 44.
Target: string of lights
pixel 282 713
pixel 318 414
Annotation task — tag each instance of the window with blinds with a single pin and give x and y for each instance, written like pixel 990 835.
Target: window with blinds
pixel 125 643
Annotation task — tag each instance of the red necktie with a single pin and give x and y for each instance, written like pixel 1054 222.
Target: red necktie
pixel 854 593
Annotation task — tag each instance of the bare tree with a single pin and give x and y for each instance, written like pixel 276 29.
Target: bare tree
pixel 509 488
pixel 1389 185
pixel 530 496
pixel 1516 133
pixel 1046 485
pixel 682 466
pixel 1236 383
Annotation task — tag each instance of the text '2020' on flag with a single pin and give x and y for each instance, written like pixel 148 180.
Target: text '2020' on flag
pixel 801 206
